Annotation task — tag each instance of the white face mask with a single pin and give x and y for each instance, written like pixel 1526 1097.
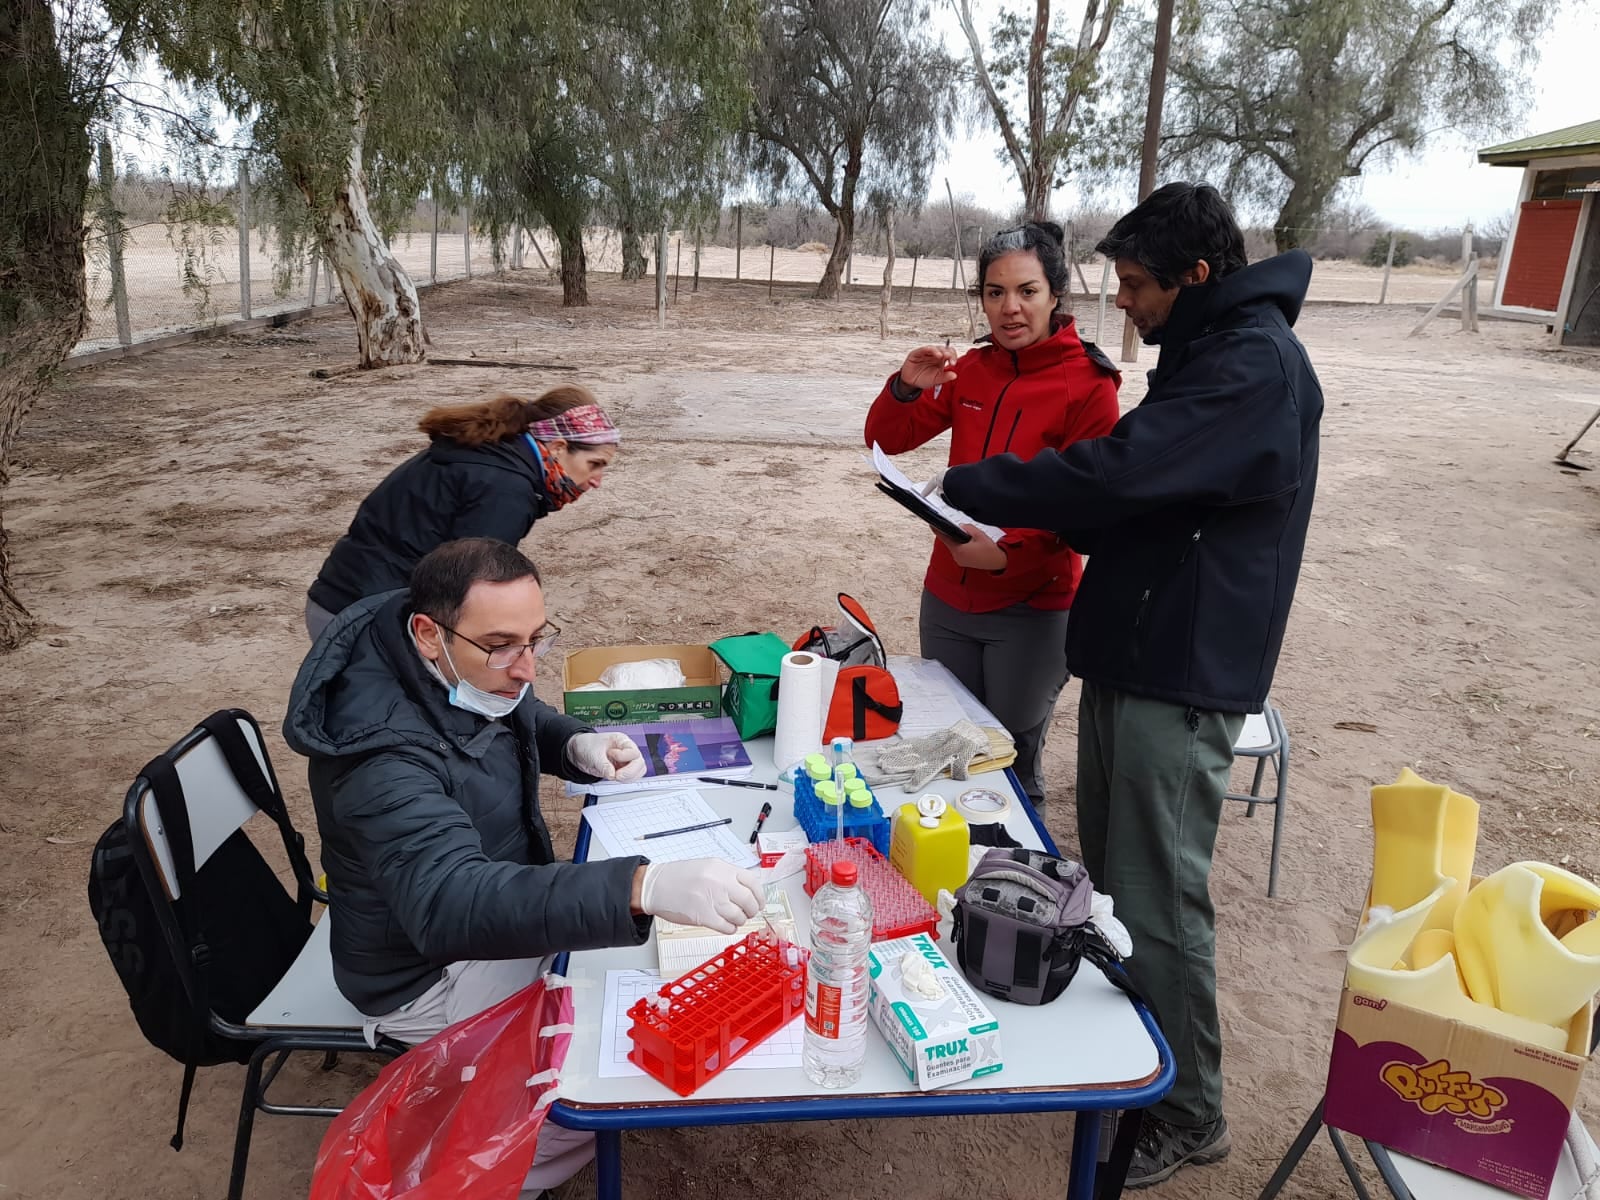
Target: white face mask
pixel 464 695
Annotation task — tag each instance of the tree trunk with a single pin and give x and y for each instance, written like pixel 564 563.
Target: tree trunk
pixel 1302 207
pixel 43 135
pixel 1036 188
pixel 633 260
pixel 381 297
pixel 844 233
pixel 574 266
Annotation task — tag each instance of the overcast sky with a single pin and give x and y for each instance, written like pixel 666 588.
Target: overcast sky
pixel 1443 187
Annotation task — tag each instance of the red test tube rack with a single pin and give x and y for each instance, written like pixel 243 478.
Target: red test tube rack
pixel 898 909
pixel 695 1026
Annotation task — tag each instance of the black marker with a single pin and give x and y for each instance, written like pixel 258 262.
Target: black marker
pixel 761 819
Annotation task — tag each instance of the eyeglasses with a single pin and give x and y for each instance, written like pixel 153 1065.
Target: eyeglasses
pixel 500 658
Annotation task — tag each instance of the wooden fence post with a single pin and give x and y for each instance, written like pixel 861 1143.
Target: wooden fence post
pixel 1388 263
pixel 772 258
pixel 466 240
pixel 696 286
pixel 316 260
pixel 433 243
pixel 961 262
pixel 677 269
pixel 244 240
pixel 738 238
pixel 661 276
pixel 112 227
pixel 911 291
pixel 888 277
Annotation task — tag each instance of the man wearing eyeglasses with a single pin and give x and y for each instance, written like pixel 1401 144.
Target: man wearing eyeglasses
pixel 425 753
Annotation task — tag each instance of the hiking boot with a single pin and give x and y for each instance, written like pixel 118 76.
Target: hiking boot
pixel 1163 1148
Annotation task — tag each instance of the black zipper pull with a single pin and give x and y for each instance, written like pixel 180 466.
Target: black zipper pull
pixel 1192 719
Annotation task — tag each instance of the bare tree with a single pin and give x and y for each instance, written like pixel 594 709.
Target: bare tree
pixel 1056 76
pixel 852 95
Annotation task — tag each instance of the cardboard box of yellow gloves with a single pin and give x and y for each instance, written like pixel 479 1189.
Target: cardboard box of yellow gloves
pixel 1465 1019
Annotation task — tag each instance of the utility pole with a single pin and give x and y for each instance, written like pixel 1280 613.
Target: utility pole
pixel 1152 141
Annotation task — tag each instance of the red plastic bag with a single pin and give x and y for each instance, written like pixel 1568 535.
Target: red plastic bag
pixel 457 1117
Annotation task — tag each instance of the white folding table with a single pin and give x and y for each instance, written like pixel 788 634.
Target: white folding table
pixel 1091 1051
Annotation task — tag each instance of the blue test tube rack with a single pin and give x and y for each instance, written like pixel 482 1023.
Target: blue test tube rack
pixel 821 823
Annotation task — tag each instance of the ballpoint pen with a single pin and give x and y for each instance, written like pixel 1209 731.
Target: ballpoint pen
pixel 645 837
pixel 744 783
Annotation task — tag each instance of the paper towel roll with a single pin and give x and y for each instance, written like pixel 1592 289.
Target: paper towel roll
pixel 805 688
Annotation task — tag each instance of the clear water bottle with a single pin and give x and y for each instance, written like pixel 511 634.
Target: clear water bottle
pixel 836 980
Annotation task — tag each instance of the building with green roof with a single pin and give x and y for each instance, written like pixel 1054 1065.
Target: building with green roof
pixel 1550 266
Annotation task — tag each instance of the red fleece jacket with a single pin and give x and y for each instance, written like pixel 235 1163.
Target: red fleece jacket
pixel 1043 397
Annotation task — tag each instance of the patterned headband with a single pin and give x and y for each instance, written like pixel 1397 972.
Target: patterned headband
pixel 587 424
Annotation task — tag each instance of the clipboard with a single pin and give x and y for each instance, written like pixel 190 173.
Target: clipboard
pixel 917 506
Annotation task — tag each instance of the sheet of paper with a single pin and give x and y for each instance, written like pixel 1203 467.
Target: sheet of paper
pixel 624 988
pixel 931 704
pixel 682 948
pixel 619 826
pixel 885 467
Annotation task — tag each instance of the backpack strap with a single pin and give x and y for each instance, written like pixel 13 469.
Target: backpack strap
pixel 862 702
pixel 171 804
pixel 223 726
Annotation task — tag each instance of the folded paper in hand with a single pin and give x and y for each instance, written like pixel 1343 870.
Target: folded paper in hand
pixel 896 477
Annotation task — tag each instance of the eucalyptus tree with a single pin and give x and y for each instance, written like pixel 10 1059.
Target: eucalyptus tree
pixel 1284 99
pixel 57 68
pixel 1055 76
pixel 622 107
pixel 851 98
pixel 331 92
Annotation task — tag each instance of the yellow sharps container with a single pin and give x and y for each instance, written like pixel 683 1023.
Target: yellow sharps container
pixel 929 846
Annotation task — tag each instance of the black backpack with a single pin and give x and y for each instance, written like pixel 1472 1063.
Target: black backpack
pixel 229 937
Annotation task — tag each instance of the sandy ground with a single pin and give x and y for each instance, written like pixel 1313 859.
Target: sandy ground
pixel 157 303
pixel 169 511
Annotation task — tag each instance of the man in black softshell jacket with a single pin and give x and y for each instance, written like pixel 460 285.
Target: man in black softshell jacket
pixel 1193 512
pixel 425 747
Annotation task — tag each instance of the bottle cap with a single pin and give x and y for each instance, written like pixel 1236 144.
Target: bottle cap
pixel 843 873
pixel 858 797
pixel 930 807
pixel 814 762
pixel 827 793
pixel 842 748
pixel 847 770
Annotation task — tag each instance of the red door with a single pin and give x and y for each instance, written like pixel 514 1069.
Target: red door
pixel 1539 257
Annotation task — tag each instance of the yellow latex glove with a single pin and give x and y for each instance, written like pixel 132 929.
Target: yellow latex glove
pixel 1436 988
pixel 1422 832
pixel 1507 955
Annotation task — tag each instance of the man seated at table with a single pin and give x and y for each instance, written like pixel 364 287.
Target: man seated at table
pixel 426 750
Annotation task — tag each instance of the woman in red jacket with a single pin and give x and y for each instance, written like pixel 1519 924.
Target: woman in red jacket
pixel 995 613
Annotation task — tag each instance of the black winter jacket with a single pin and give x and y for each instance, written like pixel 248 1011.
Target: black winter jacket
pixel 445 492
pixel 1193 510
pixel 432 838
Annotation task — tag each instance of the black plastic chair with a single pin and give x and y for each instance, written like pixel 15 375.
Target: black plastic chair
pixel 304 1010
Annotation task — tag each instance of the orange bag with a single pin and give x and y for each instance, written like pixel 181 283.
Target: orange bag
pixel 456 1118
pixel 866 700
pixel 865 705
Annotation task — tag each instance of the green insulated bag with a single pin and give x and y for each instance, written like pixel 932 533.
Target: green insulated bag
pixel 751 694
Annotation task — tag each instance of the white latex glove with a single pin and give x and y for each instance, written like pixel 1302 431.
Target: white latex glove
pixel 606 756
pixel 934 485
pixel 1101 916
pixel 702 891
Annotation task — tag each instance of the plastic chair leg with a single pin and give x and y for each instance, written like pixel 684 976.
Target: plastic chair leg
pixel 1297 1149
pixel 1255 786
pixel 247 1117
pixel 1278 808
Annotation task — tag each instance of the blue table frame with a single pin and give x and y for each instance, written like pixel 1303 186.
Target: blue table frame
pixel 608 1124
